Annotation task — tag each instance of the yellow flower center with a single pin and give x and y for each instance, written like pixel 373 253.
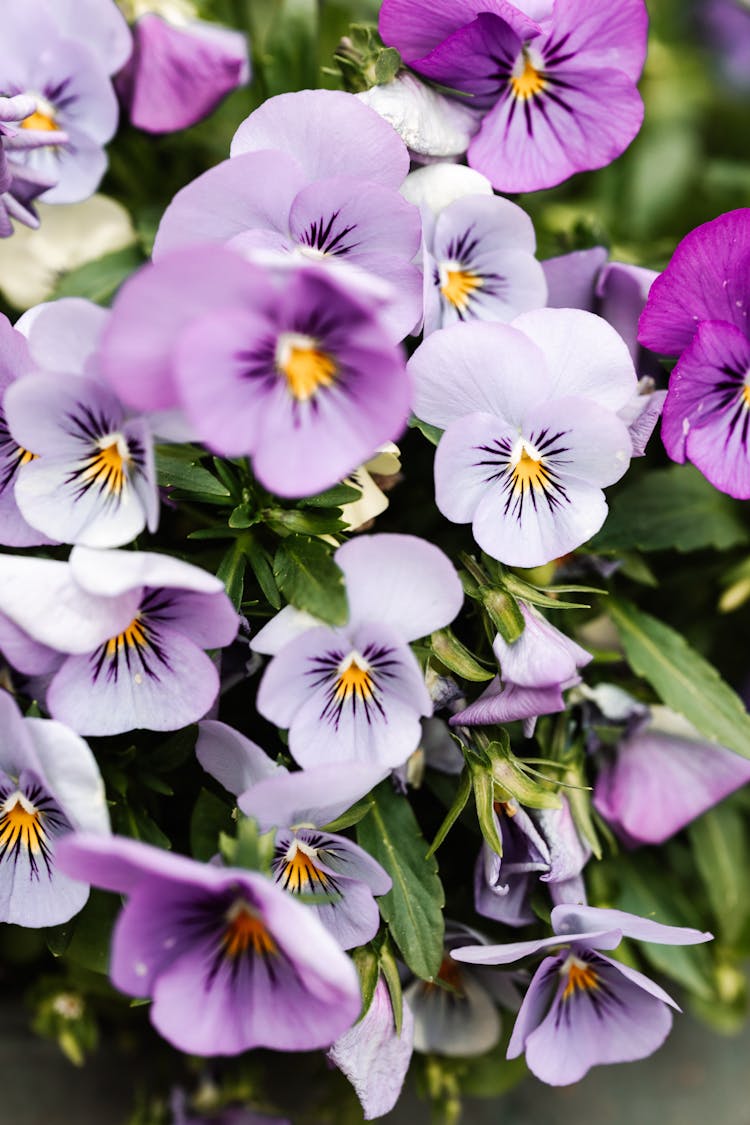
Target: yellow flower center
pixel 304 365
pixel 526 80
pixel 246 932
pixel 354 679
pixel 108 467
pixel 20 826
pixel 581 977
pixel 746 395
pixel 134 636
pixel 43 122
pixel 299 873
pixel 529 472
pixel 458 285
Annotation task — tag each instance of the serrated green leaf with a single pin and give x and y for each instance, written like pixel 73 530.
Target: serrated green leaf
pixel 413 908
pixel 720 846
pixel 457 658
pixel 99 280
pixel 681 677
pixel 670 509
pixel 309 579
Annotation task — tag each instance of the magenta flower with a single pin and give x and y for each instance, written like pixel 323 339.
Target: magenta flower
pixel 558 95
pixel 131 629
pixel 524 459
pixel 302 376
pixel 49 785
pixel 20 184
pixel 84 469
pixel 583 1009
pixel 698 309
pixel 178 73
pixel 306 203
pixel 298 805
pixel 356 693
pixel 230 961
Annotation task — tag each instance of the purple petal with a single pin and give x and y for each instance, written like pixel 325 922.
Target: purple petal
pixel 505 704
pixel 330 133
pixel 403 582
pixel 64 335
pixel 373 1057
pixel 514 951
pixel 567 920
pixel 541 656
pixel 535 1004
pixel 571 278
pixel 622 291
pixel 415 27
pixel 231 758
pixel 601 37
pixel 313 796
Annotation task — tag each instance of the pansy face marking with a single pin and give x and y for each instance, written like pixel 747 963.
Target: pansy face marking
pixel 304 365
pixel 525 79
pixel 43 118
pixel 109 462
pixel 245 933
pixel 581 976
pixel 732 394
pixel 526 470
pixel 296 870
pixel 458 277
pixel 326 237
pixel 138 650
pixel 27 815
pixel 12 455
pixel 353 681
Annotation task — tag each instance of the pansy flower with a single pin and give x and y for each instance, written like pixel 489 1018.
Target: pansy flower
pixel 531 434
pixel 559 95
pixel 582 1008
pixel 86 473
pixel 356 692
pixel 230 961
pixel 699 309
pixel 131 629
pixel 289 367
pixel 20 185
pixel 73 95
pixel 271 200
pixel 308 860
pixel 49 785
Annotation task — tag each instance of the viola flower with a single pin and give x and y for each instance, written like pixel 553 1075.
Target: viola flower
pixel 87 471
pixel 180 69
pixel 272 200
pixel 72 94
pixel 524 460
pixel 49 786
pixel 559 96
pixel 698 309
pixel 303 378
pixel 373 1056
pixel 133 633
pixel 661 776
pixel 298 805
pixel 582 1008
pixel 230 961
pixel 100 24
pixel 19 184
pixel 356 693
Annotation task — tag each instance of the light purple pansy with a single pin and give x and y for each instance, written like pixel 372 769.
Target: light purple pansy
pixel 131 628
pixel 98 23
pixel 540 844
pixel 308 860
pixel 373 1056
pixel 559 96
pixel 178 73
pixel 663 775
pixel 230 961
pixel 72 91
pixel 582 1008
pixel 269 200
pixel 303 377
pixel 531 430
pixel 49 785
pixel 20 184
pixel 86 472
pixel 698 309
pixel 356 692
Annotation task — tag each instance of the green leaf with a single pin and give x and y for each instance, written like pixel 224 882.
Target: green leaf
pixel 389 969
pixel 260 562
pixel 413 908
pixel 509 774
pixel 211 816
pixel 323 522
pixel 350 817
pixel 683 680
pixel 484 797
pixel 432 433
pixel 720 846
pixel 99 280
pixel 309 579
pixel 86 938
pixel 454 812
pixel 366 963
pixel 334 497
pixel 670 509
pixel 387 65
pixel 178 467
pixel 291 49
pixel 231 571
pixel 548 597
pixel 504 612
pixel 450 652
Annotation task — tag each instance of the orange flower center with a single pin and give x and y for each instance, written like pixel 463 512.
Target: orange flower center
pixel 246 932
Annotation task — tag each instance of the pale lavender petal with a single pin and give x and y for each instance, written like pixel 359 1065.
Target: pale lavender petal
pixel 117 572
pixel 514 951
pixel 24 654
pixel 571 278
pixel 568 852
pixel 373 1057
pixel 642 981
pixel 569 920
pixel 535 1004
pixel 343 857
pixel 351 218
pixel 622 291
pixel 457 1026
pixel 313 796
pixel 542 655
pixel 641 414
pixel 402 582
pixel 498 704
pixel 232 758
pixel 330 133
pixel 64 335
pixel 288 624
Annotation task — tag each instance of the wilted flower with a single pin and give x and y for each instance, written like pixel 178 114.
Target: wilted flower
pixel 429 123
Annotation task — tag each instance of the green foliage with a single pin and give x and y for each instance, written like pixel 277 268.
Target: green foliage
pixel 309 579
pixel 210 818
pixel 670 509
pixel 456 657
pixel 413 907
pixel 99 280
pixel 681 677
pixel 722 856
